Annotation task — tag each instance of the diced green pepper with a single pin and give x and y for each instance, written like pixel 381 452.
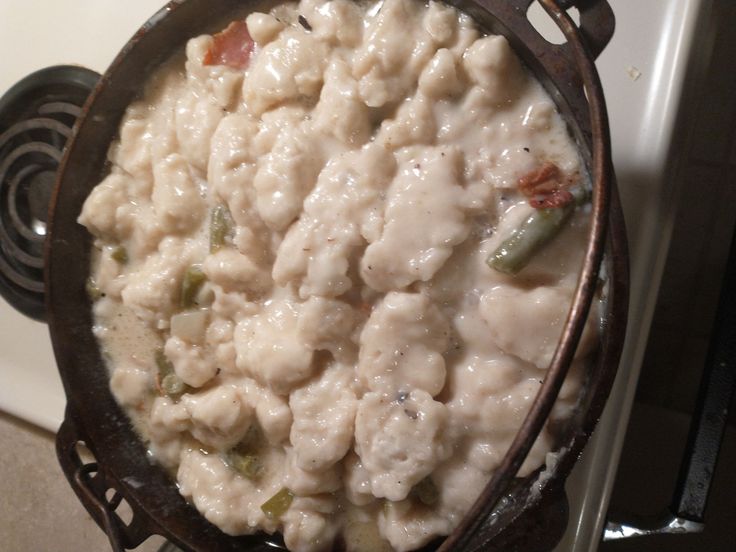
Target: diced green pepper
pixel 120 255
pixel 163 364
pixel 248 465
pixel 169 383
pixel 190 286
pixel 221 227
pixel 278 504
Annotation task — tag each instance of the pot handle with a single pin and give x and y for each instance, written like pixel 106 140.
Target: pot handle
pixel 597 21
pixel 717 388
pixel 91 485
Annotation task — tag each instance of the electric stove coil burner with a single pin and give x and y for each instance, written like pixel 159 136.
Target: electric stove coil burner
pixel 36 120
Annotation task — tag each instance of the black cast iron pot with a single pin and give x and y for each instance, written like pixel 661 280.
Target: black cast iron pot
pixel 522 520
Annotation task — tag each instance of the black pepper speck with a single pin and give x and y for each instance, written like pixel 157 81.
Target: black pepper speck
pixel 304 23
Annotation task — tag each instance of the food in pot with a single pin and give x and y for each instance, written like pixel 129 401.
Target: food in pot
pixel 333 257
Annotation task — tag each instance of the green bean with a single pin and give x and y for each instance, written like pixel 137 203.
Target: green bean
pixel 120 255
pixel 532 235
pixel 221 227
pixel 169 384
pixel 278 504
pixel 248 465
pixel 426 492
pixel 190 286
pixel 163 364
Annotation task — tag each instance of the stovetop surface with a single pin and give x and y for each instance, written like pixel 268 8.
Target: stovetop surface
pixel 35 34
pixel 643 72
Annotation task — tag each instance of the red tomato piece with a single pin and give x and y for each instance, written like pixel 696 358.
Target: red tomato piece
pixel 231 47
pixel 543 180
pixel 546 187
pixel 558 198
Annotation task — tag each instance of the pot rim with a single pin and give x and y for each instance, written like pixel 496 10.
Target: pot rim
pixel 69 310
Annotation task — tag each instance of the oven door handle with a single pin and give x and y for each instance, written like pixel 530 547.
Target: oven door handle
pixel 717 387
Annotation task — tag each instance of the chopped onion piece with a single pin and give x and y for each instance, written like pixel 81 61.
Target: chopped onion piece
pixel 189 325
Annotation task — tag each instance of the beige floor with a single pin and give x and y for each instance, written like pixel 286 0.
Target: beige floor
pixel 38 510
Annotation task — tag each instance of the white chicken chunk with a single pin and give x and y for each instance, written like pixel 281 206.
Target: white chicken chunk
pixel 357 481
pixel 387 65
pixel 424 220
pixel 528 323
pixel 305 483
pixel 220 84
pixel 197 118
pixel 268 348
pixel 414 123
pixel 104 213
pixel 342 211
pixel 166 422
pixel 177 198
pixel 129 383
pixel 401 345
pixel 492 65
pixel 192 363
pixel 324 414
pixel 307 526
pixel 338 22
pixel 340 111
pixel 440 78
pixel 263 27
pixel 272 412
pixel 152 291
pixel 220 418
pixel 231 502
pixel 286 70
pixel 234 271
pixel 285 176
pixel 328 324
pixel 400 441
pixel 408 527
